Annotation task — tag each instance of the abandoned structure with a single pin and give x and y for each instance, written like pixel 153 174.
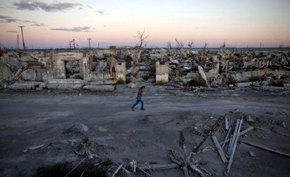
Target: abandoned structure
pixel 102 69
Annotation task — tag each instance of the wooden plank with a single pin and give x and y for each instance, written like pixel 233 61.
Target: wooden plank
pixel 241 134
pixel 158 166
pixel 265 148
pixel 232 140
pixel 234 147
pixel 219 149
pixel 196 169
pixel 118 169
pixel 227 135
pixel 226 123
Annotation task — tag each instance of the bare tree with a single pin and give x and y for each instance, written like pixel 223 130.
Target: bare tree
pixel 190 45
pixel 142 37
pixel 179 45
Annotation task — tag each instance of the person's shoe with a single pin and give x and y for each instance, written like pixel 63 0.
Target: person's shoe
pixel 143 109
pixel 132 109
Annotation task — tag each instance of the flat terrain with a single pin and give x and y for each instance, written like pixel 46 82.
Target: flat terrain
pixel 58 120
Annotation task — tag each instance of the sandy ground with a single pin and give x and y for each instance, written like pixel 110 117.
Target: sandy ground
pixel 34 118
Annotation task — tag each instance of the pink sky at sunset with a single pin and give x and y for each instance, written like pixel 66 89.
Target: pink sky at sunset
pixel 50 23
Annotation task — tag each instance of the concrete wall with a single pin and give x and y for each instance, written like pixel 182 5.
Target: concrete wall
pixel 121 72
pixel 162 75
pixel 58 70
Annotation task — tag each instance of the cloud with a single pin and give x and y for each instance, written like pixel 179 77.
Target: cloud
pixel 74 29
pixel 37 24
pixel 36 5
pixel 89 6
pixel 8 19
pixel 101 12
pixel 11 31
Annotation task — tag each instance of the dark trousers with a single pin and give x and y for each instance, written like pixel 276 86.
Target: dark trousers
pixel 137 102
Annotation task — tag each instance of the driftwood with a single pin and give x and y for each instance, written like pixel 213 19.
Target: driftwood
pixel 219 149
pixel 265 148
pixel 234 146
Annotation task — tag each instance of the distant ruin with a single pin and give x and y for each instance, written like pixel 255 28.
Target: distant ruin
pixel 102 69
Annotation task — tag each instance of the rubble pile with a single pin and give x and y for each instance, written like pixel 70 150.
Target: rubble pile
pixel 180 67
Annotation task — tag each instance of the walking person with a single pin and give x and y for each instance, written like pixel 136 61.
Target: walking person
pixel 139 99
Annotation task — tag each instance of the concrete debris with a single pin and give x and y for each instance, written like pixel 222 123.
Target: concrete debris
pixel 23 86
pixel 282 124
pixel 187 68
pixel 132 85
pixel 64 86
pixel 251 154
pixel 33 148
pixel 249 119
pixel 100 88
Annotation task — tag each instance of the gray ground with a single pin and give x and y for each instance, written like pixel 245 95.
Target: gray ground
pixel 34 118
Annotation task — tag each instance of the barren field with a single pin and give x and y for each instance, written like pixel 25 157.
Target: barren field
pixel 46 129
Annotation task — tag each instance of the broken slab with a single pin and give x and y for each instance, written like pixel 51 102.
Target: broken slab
pixel 102 82
pixel 64 86
pixel 162 74
pixel 65 81
pixel 121 72
pixel 23 86
pixel 100 88
pixel 244 84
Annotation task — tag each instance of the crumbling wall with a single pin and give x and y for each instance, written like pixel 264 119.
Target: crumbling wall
pixel 121 72
pixel 69 65
pixel 162 75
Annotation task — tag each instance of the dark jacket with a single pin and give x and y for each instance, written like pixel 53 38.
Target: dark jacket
pixel 139 95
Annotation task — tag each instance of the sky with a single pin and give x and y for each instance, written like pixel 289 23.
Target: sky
pixel 53 23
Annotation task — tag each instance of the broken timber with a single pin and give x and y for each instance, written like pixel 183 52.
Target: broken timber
pixel 158 166
pixel 241 134
pixel 220 150
pixel 234 146
pixel 265 148
pixel 226 123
